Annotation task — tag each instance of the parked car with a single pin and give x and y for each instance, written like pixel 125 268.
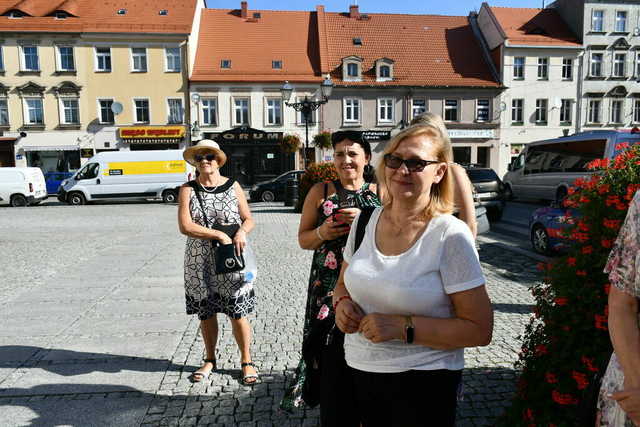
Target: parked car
pixel 273 189
pixel 54 179
pixel 22 186
pixel 545 227
pixel 489 189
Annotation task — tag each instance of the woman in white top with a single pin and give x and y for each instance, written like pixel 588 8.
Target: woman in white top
pixel 412 296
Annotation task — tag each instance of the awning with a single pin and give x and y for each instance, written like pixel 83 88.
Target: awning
pixel 51 148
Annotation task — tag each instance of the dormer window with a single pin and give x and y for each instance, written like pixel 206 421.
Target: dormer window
pixel 384 69
pixel 352 68
pixel 357 41
pixel 163 12
pixel 122 11
pixel 15 14
pixel 276 65
pixel 61 15
pixel 225 63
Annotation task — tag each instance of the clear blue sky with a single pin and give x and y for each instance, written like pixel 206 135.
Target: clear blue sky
pixel 433 7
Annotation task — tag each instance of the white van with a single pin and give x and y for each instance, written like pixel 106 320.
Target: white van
pixel 128 175
pixel 546 169
pixel 22 186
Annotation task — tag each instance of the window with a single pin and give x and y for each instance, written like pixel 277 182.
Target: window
pixel 274 111
pixel 103 59
pixel 175 110
pixel 70 112
pixel 210 112
pixel 621 21
pixel 636 111
pixel 543 68
pixel 142 110
pixel 482 110
pixel 517 110
pixel 313 117
pixel 1 60
pixel 638 64
pixel 418 106
pixel 351 110
pixel 241 111
pixel 276 65
pixel 4 113
pixel 518 67
pixel 616 111
pixel 106 115
pixel 619 60
pixel 565 111
pixel 225 63
pixel 567 69
pixel 597 21
pixel 385 110
pixel 174 62
pixel 596 64
pixel 352 70
pixel 385 71
pixel 35 112
pixel 541 111
pixel 594 110
pixel 139 59
pixel 65 58
pixel 30 58
pixel 451 110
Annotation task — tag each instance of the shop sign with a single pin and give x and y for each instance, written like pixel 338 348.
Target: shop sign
pixel 472 133
pixel 86 153
pixel 377 135
pixel 152 132
pixel 245 134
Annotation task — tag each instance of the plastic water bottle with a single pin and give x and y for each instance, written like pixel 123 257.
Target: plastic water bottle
pixel 250 266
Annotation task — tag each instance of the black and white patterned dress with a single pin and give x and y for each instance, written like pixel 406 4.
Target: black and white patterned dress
pixel 206 292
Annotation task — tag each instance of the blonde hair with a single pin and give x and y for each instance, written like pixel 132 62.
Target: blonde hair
pixel 441 197
pixel 433 120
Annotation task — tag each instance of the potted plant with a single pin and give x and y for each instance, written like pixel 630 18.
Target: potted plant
pixel 316 172
pixel 290 143
pixel 322 140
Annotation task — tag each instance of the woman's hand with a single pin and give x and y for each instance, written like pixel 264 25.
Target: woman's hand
pixel 224 239
pixel 347 215
pixel 330 229
pixel 629 401
pixel 348 316
pixel 240 241
pixel 378 327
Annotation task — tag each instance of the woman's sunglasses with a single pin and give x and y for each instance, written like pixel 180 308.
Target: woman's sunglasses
pixel 413 165
pixel 200 157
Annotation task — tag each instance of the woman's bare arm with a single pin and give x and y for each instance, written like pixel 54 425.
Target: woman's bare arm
pixel 463 197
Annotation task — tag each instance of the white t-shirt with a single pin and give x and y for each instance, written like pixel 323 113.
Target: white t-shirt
pixel 417 282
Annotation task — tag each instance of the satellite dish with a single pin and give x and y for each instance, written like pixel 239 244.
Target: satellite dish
pixel 116 108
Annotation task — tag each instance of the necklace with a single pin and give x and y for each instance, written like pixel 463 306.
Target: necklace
pixel 215 187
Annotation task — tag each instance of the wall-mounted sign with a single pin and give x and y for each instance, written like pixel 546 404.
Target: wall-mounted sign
pixel 152 132
pixel 86 153
pixel 19 156
pixel 245 134
pixel 376 135
pixel 472 133
pixel 271 156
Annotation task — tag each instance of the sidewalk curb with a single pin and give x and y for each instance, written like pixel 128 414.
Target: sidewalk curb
pixel 513 248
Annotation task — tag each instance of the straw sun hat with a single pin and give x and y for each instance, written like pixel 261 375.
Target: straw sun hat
pixel 204 146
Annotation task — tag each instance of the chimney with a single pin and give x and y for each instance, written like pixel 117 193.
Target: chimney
pixel 354 12
pixel 244 13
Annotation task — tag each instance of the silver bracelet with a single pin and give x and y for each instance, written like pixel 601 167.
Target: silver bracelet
pixel 319 235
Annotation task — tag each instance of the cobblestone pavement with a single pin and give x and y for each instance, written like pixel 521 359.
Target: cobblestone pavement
pixel 94 330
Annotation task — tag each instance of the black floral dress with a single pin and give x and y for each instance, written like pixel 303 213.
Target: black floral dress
pixel 325 270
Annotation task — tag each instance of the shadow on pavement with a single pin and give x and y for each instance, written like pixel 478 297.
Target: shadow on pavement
pixel 487 393
pixel 509 265
pixel 514 308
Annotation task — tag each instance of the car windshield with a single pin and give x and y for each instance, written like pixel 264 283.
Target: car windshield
pixel 476 175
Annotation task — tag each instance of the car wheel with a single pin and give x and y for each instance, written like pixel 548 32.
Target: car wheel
pixel 76 199
pixel 508 194
pixel 494 214
pixel 268 196
pixel 540 240
pixel 169 196
pixel 18 200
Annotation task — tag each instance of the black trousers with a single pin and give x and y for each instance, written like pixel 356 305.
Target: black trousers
pixel 337 397
pixel 407 399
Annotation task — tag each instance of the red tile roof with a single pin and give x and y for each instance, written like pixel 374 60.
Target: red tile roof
pixel 252 44
pixel 428 50
pixel 534 27
pixel 92 16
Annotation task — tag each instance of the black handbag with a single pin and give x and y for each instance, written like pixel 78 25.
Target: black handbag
pixel 224 256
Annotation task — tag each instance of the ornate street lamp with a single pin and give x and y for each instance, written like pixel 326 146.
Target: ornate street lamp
pixel 307 106
pixel 196 135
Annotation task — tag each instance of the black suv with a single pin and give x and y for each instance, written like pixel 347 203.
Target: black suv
pixel 489 190
pixel 273 190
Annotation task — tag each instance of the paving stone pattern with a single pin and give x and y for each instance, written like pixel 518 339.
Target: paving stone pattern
pixel 94 330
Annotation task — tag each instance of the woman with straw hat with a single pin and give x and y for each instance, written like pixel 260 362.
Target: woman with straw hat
pixel 214 210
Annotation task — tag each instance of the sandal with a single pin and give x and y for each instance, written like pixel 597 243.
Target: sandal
pixel 246 378
pixel 202 374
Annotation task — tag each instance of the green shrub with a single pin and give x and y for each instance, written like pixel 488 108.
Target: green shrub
pixel 316 172
pixel 322 140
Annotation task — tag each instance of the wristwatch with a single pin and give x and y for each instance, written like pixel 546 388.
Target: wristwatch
pixel 408 330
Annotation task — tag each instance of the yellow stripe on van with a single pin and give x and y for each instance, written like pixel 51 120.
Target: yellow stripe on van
pixel 146 168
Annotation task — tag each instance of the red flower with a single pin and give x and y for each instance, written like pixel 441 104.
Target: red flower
pixel 604 188
pixel 607 288
pixel 571 261
pixel 601 322
pixel 582 226
pixel 606 243
pixel 588 362
pixel 541 266
pixel 563 399
pixel 587 250
pixel 561 301
pixel 581 379
pixel 528 415
pixel 584 199
pixel 622 146
pixel 541 349
pixel 581 273
pixel 612 200
pixel 611 223
pixel 551 378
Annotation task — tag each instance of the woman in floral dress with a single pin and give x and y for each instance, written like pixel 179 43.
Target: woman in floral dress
pixel 328 211
pixel 619 399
